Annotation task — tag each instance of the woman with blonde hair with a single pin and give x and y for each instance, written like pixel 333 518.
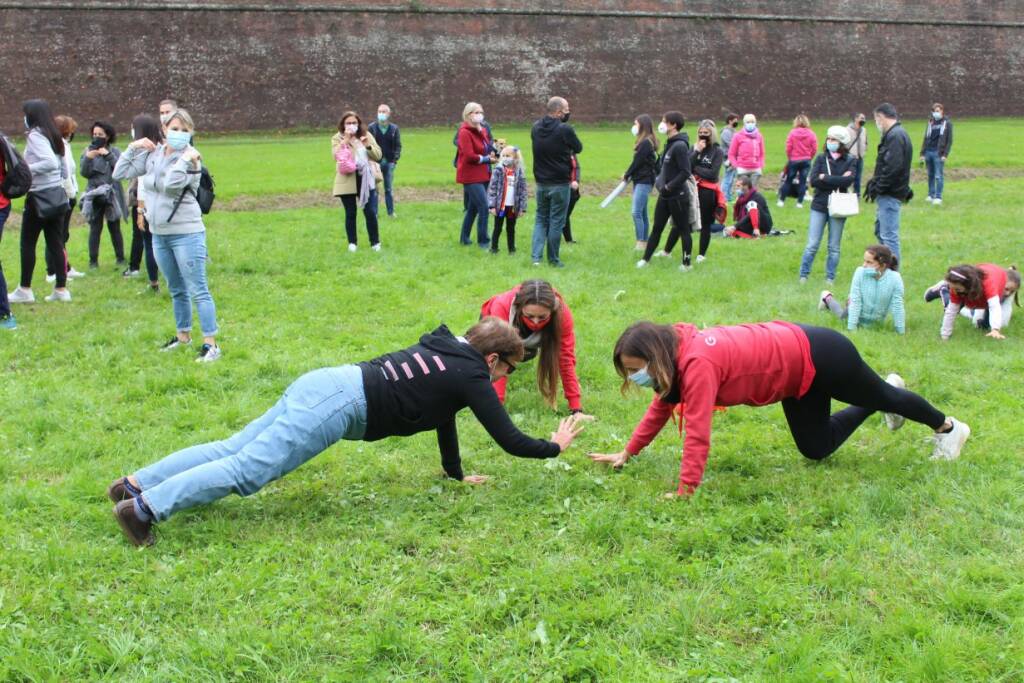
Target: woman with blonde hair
pixel 801 146
pixel 473 172
pixel 746 151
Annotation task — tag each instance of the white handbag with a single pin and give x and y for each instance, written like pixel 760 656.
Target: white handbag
pixel 841 204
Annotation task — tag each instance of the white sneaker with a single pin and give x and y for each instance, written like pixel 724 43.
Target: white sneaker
pixel 376 247
pixel 803 281
pixel 208 353
pixel 352 247
pixel 929 199
pixel 21 296
pixel 639 264
pixel 51 278
pixel 685 268
pixel 937 201
pixel 799 205
pixel 59 296
pixel 780 203
pixel 892 420
pixel 825 294
pixel 72 273
pixel 700 259
pixel 830 283
pixel 660 253
pixel 948 446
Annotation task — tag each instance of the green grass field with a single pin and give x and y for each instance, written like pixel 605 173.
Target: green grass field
pixel 367 565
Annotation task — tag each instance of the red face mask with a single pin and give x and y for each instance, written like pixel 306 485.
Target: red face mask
pixel 536 325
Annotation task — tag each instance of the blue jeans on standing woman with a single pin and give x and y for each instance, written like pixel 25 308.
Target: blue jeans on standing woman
pixel 182 259
pixel 935 164
pixel 815 231
pixel 317 410
pixel 641 191
pixel 474 199
pixel 387 169
pixel 552 207
pixel 796 174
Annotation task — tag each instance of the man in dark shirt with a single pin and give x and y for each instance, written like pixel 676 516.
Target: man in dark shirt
pixel 389 138
pixel 890 185
pixel 554 143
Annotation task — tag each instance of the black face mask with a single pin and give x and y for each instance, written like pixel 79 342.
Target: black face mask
pixel 705 137
pixel 565 117
pixel 735 124
pixel 71 138
pixel 98 143
pixel 860 123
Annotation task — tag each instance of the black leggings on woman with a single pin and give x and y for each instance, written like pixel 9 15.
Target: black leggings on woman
pixel 31 226
pixel 51 266
pixel 142 243
pixel 677 208
pixel 841 374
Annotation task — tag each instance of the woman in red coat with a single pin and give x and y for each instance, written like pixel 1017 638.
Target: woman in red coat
pixel 757 364
pixel 544 323
pixel 473 172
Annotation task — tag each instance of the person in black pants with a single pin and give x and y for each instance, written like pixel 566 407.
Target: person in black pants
pixel 574 196
pixel 671 184
pixel 67 127
pixel 143 126
pixel 97 165
pixel 706 161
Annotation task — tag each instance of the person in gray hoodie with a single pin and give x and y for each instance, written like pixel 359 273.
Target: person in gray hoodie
pixel 170 174
pixel 44 149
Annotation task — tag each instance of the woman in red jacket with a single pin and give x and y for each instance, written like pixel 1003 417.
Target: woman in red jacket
pixel 544 323
pixel 804 367
pixel 473 172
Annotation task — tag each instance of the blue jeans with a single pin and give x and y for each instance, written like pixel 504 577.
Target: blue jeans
pixel 317 410
pixel 728 180
pixel 887 223
pixel 474 199
pixel 641 191
pixel 795 170
pixel 815 231
pixel 935 165
pixel 552 206
pixel 5 305
pixel 388 170
pixel 182 259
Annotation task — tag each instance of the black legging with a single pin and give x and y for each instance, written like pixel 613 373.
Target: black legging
pixel 99 208
pixel 677 208
pixel 574 196
pixel 508 222
pixel 142 242
pixel 708 199
pixel 65 235
pixel 841 374
pixel 31 227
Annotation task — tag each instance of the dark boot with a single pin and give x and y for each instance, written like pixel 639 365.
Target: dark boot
pixel 138 532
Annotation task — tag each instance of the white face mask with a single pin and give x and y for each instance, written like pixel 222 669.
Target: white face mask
pixel 477 118
pixel 936 115
pixel 663 128
pixel 878 125
pixel 634 130
pixel 351 128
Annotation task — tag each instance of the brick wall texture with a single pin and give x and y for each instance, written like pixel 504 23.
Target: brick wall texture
pixel 240 65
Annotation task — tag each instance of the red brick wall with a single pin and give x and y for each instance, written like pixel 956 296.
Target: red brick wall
pixel 237 68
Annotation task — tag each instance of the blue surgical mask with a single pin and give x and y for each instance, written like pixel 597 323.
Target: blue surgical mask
pixel 936 115
pixel 750 127
pixel 641 378
pixel 383 118
pixel 178 139
pixel 832 146
pixel 873 272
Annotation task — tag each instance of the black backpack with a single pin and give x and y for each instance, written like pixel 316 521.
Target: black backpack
pixel 204 195
pixel 17 175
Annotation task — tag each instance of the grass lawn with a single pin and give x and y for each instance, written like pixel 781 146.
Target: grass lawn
pixel 366 565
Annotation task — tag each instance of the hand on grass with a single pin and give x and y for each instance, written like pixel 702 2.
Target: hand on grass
pixel 568 429
pixel 616 460
pixel 475 479
pixel 996 334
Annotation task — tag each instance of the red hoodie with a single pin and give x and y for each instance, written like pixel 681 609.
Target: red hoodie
pixel 473 144
pixel 992 286
pixel 500 306
pixel 752 365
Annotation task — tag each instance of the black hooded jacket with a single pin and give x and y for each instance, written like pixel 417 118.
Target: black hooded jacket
pixel 553 144
pixel 892 167
pixel 675 167
pixel 424 386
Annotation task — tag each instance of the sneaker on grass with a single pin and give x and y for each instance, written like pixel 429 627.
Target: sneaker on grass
pixel 892 420
pixel 8 323
pixel 59 295
pixel 72 273
pixel 823 299
pixel 21 296
pixel 208 353
pixel 175 343
pixel 948 445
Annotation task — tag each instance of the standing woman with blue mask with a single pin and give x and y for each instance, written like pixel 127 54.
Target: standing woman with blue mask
pixel 170 175
pixel 875 291
pixel 833 170
pixel 938 141
pixel 46 202
pixel 642 172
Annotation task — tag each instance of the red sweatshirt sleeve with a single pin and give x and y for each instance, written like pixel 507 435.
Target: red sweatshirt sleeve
pixel 567 361
pixel 701 381
pixel 654 419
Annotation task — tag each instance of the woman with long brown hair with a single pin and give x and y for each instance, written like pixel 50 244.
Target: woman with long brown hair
pixel 693 371
pixel 642 172
pixel 358 172
pixel 982 293
pixel 544 323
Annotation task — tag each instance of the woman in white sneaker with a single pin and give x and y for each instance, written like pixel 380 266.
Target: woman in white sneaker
pixel 803 367
pixel 46 203
pixel 170 174
pixel 357 176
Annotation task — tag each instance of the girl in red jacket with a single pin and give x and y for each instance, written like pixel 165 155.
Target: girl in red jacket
pixel 544 323
pixel 804 367
pixel 982 293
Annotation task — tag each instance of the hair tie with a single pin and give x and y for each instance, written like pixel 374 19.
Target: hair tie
pixel 956 273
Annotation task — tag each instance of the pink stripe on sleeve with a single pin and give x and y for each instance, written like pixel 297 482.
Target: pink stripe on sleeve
pixel 440 365
pixel 423 366
pixel 408 372
pixel 391 369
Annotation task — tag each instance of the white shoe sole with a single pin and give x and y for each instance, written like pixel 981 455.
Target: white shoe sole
pixel 892 420
pixel 962 436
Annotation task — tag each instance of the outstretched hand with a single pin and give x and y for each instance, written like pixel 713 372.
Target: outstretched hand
pixel 475 479
pixel 568 429
pixel 616 460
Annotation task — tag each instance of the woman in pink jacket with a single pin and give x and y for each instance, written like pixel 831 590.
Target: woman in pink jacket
pixel 746 151
pixel 801 146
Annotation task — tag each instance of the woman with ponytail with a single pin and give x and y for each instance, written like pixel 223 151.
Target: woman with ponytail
pixel 544 322
pixel 980 293
pixel 875 292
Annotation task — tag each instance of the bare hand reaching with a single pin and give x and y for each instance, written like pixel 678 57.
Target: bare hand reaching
pixel 475 479
pixel 568 429
pixel 616 460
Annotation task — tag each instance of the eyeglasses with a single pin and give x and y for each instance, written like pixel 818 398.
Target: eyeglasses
pixel 511 367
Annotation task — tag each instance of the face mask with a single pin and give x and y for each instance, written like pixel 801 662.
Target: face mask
pixel 165 119
pixel 750 127
pixel 133 134
pixel 178 139
pixel 26 124
pixel 936 115
pixel 874 272
pixel 71 137
pixel 635 130
pixel 351 128
pixel 383 118
pixel 98 142
pixel 536 325
pixel 832 147
pixel 878 125
pixel 706 138
pixel 565 117
pixel 860 123
pixel 735 124
pixel 662 128
pixel 508 161
pixel 476 118
pixel 641 378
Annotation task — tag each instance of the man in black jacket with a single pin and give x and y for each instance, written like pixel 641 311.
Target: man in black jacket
pixel 890 186
pixel 389 138
pixel 938 141
pixel 554 143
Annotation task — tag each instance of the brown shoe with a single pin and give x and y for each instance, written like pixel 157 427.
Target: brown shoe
pixel 137 531
pixel 118 491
